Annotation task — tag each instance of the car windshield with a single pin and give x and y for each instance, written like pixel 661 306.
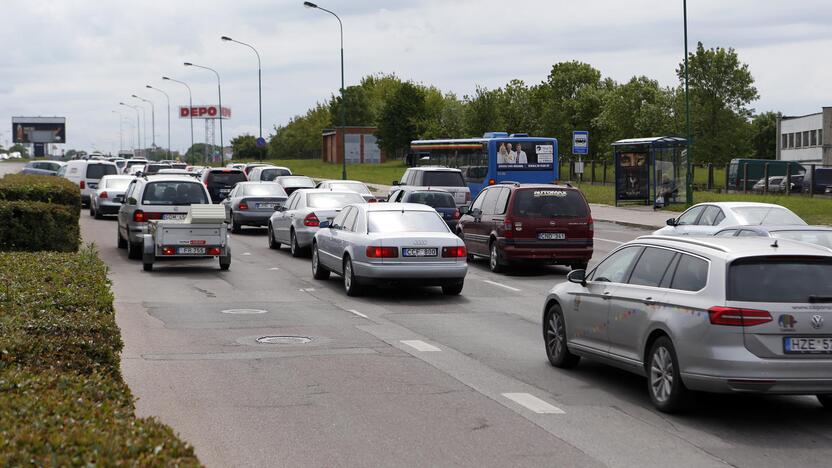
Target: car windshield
pixel 117 184
pixel 271 174
pixel 779 279
pixel 174 193
pixel 406 221
pixel 226 177
pixel 443 179
pixel 332 200
pixel 768 215
pixel 97 171
pixel 264 190
pixel 297 182
pixel 550 203
pixel 351 186
pixel 817 237
pixel 432 199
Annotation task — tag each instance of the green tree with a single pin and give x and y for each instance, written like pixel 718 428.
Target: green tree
pixel 302 135
pixel 196 154
pixel 358 111
pixel 638 108
pixel 245 147
pixel 482 112
pixel 514 104
pixel 764 135
pixel 402 119
pixel 18 148
pixel 445 118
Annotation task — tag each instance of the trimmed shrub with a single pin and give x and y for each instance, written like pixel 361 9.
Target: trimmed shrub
pixel 32 226
pixel 41 188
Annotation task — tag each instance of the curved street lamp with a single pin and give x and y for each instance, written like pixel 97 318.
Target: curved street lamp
pixel 138 123
pixel 168 99
pixel 259 81
pixel 190 104
pixel 219 95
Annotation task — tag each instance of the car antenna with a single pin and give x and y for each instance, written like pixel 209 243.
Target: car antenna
pixel 774 244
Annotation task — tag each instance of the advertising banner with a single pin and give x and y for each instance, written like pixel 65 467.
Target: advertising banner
pixel 39 129
pixel 525 156
pixel 632 176
pixel 204 112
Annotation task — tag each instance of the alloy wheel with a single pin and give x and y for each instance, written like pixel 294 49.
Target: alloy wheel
pixel 661 374
pixel 555 336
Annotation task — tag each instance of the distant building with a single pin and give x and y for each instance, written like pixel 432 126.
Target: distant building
pixel 358 143
pixel 806 139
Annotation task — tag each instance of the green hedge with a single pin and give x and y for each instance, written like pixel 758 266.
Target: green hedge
pixel 62 398
pixel 33 226
pixel 41 188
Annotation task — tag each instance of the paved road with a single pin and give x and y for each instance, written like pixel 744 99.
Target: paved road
pixel 358 395
pixel 10 167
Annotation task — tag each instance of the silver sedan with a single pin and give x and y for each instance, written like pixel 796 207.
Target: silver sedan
pixel 252 204
pixel 109 196
pixel 402 243
pixel 296 222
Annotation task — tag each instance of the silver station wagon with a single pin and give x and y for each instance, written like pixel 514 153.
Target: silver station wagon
pixel 710 314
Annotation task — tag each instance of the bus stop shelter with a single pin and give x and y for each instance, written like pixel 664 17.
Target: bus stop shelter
pixel 650 171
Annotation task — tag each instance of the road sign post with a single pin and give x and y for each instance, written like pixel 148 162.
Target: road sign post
pixel 580 147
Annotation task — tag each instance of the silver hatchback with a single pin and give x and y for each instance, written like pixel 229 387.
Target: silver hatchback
pixel 718 314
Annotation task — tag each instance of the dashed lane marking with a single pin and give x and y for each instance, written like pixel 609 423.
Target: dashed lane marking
pixel 420 345
pixel 608 240
pixel 502 285
pixel 274 268
pixel 533 403
pixel 306 289
pixel 353 311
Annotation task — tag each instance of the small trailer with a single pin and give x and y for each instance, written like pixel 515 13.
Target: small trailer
pixel 202 234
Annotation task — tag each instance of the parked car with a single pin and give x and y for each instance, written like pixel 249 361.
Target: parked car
pixel 253 204
pixel 435 177
pixel 268 173
pixel 220 182
pixel 438 199
pixel 292 183
pixel 818 235
pixel 541 223
pixel 351 185
pixel 705 219
pixel 743 174
pixel 296 222
pixel 820 182
pixel 710 314
pixel 155 197
pixel 773 184
pixel 42 167
pixel 382 243
pixel 86 175
pixel 109 195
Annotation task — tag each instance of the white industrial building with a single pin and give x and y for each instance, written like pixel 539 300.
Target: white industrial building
pixel 806 138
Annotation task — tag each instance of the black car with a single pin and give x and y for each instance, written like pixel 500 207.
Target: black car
pixel 219 182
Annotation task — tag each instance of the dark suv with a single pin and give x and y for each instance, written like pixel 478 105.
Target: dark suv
pixel 219 182
pixel 543 223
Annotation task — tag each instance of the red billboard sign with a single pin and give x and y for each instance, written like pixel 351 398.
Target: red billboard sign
pixel 204 112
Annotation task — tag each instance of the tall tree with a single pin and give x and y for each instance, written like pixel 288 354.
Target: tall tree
pixel 18 148
pixel 358 111
pixel 402 119
pixel 482 112
pixel 245 147
pixel 514 107
pixel 638 108
pixel 764 135
pixel 302 135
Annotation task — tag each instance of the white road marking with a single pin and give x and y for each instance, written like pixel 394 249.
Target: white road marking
pixel 608 240
pixel 246 253
pixel 353 311
pixel 274 268
pixel 533 403
pixel 306 289
pixel 501 285
pixel 420 345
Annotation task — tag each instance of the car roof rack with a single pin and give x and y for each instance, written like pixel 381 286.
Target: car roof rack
pixel 696 242
pixel 508 182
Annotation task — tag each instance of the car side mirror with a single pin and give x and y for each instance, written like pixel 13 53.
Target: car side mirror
pixel 325 225
pixel 131 201
pixel 463 210
pixel 577 276
pixel 395 182
pixel 280 208
pixel 476 212
pixel 672 222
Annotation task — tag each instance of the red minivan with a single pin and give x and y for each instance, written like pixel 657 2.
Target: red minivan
pixel 525 223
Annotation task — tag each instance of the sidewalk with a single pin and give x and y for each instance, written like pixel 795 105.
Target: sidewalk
pixel 637 216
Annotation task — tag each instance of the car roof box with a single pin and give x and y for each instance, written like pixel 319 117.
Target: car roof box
pixel 206 214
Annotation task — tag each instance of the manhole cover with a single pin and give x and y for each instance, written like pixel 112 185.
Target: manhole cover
pixel 243 311
pixel 287 340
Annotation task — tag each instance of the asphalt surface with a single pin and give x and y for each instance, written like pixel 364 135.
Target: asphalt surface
pixel 407 377
pixel 10 167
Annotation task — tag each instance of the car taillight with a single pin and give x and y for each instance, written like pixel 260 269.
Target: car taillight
pixel 454 252
pixel 102 195
pixel 591 226
pixel 213 251
pixel 491 181
pixel 83 184
pixel 372 200
pixel 736 317
pixel 243 206
pixel 168 250
pixel 139 216
pixel 311 220
pixel 382 252
pixel 456 213
pixel 508 226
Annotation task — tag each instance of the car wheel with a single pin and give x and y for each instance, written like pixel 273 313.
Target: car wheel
pixel 826 401
pixel 664 381
pixel 318 271
pixel 235 226
pixel 554 336
pixel 273 244
pixel 92 211
pixel 120 243
pixel 453 289
pixel 225 263
pixel 350 285
pixel 147 266
pixel 495 263
pixel 293 245
pixel 134 250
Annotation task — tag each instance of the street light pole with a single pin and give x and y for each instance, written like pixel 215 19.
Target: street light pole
pixel 343 99
pixel 190 106
pixel 120 130
pixel 168 100
pixel 259 79
pixel 138 124
pixel 689 180
pixel 152 118
pixel 219 95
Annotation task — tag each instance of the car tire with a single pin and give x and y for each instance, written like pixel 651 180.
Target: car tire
pixel 826 401
pixel 453 289
pixel 664 381
pixel 147 266
pixel 495 261
pixel 294 248
pixel 120 242
pixel 273 244
pixel 235 226
pixel 319 272
pixel 92 211
pixel 350 285
pixel 134 250
pixel 225 264
pixel 554 338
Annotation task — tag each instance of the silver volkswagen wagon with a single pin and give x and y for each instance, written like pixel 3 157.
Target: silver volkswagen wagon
pixel 710 314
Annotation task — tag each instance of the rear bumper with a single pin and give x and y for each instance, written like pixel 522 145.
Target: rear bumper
pixel 768 385
pixel 253 218
pixel 546 251
pixel 431 274
pixel 107 207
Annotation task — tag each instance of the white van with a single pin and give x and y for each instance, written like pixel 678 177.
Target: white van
pixel 86 175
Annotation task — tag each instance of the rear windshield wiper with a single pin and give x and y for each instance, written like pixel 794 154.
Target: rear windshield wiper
pixel 815 298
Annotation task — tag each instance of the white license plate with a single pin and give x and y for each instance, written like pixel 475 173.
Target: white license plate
pixel 178 216
pixel 551 236
pixel 419 252
pixel 191 250
pixel 801 345
pixel 265 205
pixel 225 191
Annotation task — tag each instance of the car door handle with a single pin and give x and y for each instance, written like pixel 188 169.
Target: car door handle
pixel 649 301
pixel 607 295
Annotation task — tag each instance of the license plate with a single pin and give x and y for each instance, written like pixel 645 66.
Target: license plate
pixel 419 252
pixel 191 250
pixel 224 191
pixel 551 236
pixel 175 216
pixel 265 205
pixel 801 345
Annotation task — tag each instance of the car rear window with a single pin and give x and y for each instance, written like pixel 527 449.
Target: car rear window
pixel 768 215
pixel 226 177
pixel 97 171
pixel 817 237
pixel 297 182
pixel 433 199
pixel 406 221
pixel 174 193
pixel 550 203
pixel 271 174
pixel 779 279
pixel 332 200
pixel 351 186
pixel 823 176
pixel 443 179
pixel 263 190
pixel 118 184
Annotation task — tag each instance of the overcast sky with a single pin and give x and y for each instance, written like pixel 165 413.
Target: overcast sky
pixel 79 58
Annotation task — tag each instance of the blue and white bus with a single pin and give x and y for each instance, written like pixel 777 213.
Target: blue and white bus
pixel 494 158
